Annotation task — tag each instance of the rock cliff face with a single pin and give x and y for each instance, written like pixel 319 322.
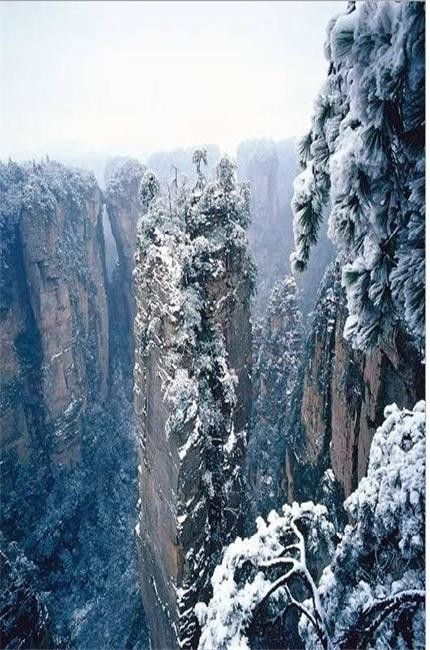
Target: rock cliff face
pixel 122 204
pixel 54 323
pixel 192 396
pixel 69 455
pixel 277 358
pixel 340 399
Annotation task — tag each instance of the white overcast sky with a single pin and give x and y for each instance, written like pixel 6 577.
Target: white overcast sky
pixel 134 77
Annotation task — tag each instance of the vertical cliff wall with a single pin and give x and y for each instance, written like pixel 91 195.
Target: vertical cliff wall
pixel 274 376
pixel 268 232
pixel 53 312
pixel 122 204
pixel 340 399
pixel 192 395
pixel 69 455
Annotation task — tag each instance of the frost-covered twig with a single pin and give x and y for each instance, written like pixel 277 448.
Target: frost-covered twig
pixel 373 616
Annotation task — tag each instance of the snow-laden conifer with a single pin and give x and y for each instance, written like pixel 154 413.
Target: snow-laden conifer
pixel 364 155
pixel 371 593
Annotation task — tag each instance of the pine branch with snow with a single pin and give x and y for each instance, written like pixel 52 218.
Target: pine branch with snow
pixel 364 156
pixel 371 592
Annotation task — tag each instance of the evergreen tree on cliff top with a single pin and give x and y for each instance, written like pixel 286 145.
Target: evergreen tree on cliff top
pixel 365 156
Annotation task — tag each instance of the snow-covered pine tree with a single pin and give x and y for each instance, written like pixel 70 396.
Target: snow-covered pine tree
pixel 200 157
pixel 365 155
pixel 275 374
pixel 371 593
pixel 25 619
pixel 262 577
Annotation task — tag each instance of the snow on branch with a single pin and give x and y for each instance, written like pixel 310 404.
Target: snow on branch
pixel 363 161
pixel 372 587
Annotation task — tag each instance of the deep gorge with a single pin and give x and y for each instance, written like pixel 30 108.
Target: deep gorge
pixel 73 477
pixel 212 416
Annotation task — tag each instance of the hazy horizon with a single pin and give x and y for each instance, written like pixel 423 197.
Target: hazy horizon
pixel 139 77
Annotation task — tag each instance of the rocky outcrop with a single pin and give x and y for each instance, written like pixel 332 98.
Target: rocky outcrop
pixel 69 455
pixel 340 399
pixel 122 204
pixel 53 314
pixel 192 396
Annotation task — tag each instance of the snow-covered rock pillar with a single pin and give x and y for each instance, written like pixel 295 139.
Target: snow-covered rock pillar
pixel 192 394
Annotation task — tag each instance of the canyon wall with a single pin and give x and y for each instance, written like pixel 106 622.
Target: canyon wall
pixel 277 354
pixel 192 398
pixel 67 427
pixel 122 205
pixel 340 398
pixel 54 322
pixel 270 234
